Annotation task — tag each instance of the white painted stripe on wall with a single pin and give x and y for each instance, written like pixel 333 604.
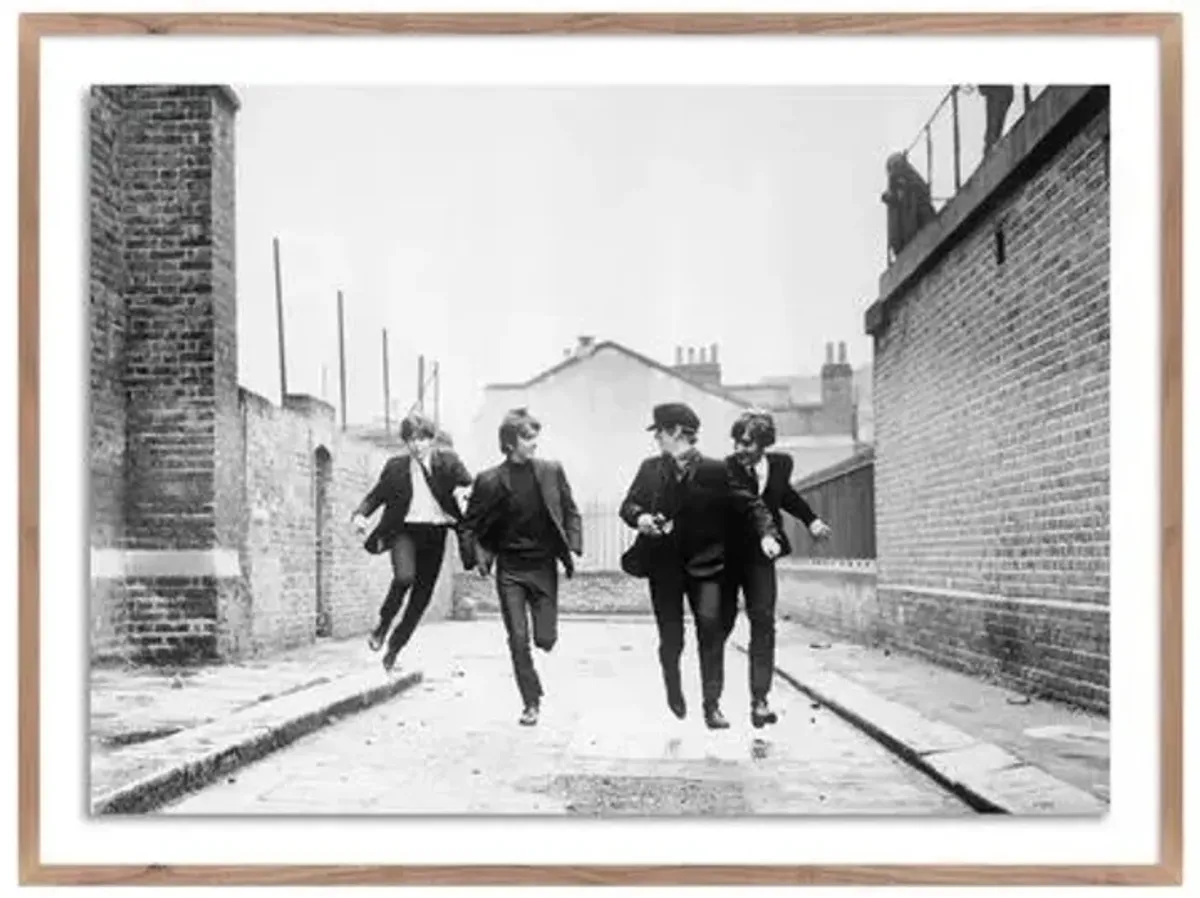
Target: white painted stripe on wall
pixel 109 564
pixel 934 592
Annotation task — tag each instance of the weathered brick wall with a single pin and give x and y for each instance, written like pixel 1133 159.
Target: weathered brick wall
pixel 107 348
pixel 992 426
pixel 181 305
pixel 213 536
pixel 163 330
pixel 288 449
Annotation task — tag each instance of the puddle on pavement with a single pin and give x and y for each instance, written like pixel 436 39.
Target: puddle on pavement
pixel 593 795
pixel 138 737
pixel 1069 734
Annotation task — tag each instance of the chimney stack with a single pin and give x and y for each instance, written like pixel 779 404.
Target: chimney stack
pixel 837 392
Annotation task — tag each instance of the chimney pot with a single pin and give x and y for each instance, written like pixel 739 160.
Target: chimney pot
pixel 703 355
pixel 691 356
pixel 678 355
pixel 828 353
pixel 712 353
pixel 842 353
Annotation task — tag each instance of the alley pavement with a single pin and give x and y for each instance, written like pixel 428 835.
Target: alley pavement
pixel 606 744
pixel 323 729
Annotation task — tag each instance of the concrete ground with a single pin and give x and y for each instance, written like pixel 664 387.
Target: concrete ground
pixel 606 744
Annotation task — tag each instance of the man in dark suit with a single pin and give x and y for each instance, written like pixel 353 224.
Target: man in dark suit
pixel 416 491
pixel 521 515
pixel 683 506
pixel 768 474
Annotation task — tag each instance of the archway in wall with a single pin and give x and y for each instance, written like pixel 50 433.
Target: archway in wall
pixel 323 541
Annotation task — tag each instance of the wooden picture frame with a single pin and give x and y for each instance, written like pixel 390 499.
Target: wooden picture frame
pixel 1165 28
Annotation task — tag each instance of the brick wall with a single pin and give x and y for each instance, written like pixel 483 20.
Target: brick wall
pixel 204 523
pixel 992 418
pixel 298 462
pixel 163 327
pixel 107 349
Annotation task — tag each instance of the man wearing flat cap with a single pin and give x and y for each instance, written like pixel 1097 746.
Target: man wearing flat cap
pixel 683 506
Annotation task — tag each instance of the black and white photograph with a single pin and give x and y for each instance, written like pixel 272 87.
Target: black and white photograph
pixel 606 451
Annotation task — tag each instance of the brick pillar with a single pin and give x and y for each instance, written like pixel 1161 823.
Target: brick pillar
pixel 107 390
pixel 182 458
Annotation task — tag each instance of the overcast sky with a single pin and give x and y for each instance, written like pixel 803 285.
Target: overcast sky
pixel 489 227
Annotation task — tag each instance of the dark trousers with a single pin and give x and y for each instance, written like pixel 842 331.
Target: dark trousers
pixel 756 581
pixel 667 590
pixel 528 592
pixel 416 562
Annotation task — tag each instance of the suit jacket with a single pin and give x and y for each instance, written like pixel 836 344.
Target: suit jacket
pixel 777 496
pixel 393 491
pixel 704 506
pixel 487 510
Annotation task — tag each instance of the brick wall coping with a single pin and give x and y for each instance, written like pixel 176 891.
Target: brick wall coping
pixel 864 566
pixel 1056 116
pixel 109 564
pixel 966 595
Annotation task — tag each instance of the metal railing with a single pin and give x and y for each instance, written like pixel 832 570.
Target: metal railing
pixel 962 111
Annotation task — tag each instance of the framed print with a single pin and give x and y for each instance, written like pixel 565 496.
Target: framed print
pixel 624 449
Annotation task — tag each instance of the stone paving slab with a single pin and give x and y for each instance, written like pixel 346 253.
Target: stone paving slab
pixel 144 721
pixel 1001 751
pixel 196 757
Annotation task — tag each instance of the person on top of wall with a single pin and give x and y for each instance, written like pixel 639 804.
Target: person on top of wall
pixel 747 568
pixel 416 490
pixel 686 508
pixel 522 516
pixel 909 203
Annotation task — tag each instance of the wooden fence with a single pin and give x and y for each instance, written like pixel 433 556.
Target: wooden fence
pixel 843 495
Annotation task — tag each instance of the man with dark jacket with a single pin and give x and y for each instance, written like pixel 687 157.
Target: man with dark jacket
pixel 685 508
pixel 768 475
pixel 416 491
pixel 521 515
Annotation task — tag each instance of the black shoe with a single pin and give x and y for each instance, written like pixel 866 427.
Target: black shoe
pixel 529 717
pixel 761 714
pixel 375 640
pixel 715 720
pixel 678 705
pixel 389 659
pixel 675 699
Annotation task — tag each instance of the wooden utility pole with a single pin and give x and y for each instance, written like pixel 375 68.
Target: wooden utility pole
pixel 342 357
pixel 283 390
pixel 387 393
pixel 421 383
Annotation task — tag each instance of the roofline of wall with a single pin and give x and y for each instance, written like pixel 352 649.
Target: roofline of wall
pixel 229 95
pixel 1057 115
pixel 864 458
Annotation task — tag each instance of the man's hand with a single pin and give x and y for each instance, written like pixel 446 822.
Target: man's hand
pixel 360 524
pixel 647 525
pixel 484 564
pixel 820 530
pixel 771 547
